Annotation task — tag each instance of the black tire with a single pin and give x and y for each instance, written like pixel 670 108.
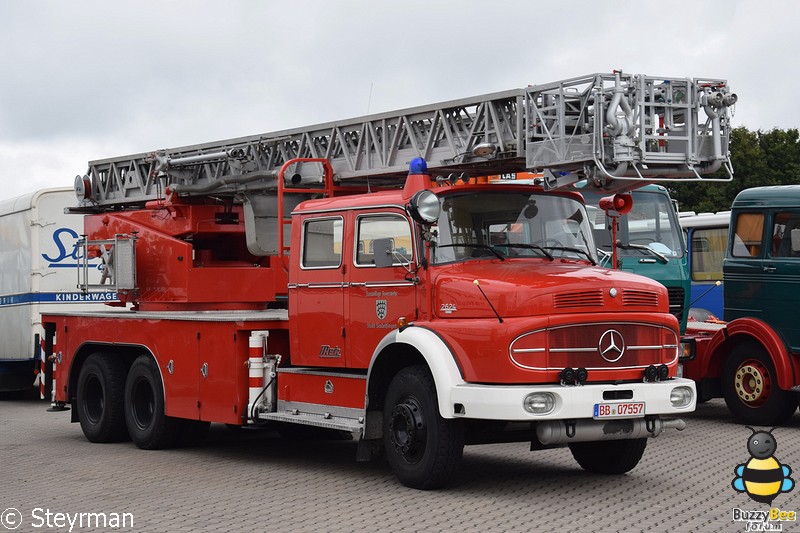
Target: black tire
pixel 750 387
pixel 100 398
pixel 611 457
pixel 423 449
pixel 149 427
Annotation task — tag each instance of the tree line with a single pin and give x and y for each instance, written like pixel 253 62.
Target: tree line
pixel 759 158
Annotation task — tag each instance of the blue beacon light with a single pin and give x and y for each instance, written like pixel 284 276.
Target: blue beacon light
pixel 418 166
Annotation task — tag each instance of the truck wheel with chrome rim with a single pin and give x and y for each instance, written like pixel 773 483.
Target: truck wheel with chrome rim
pixel 100 398
pixel 148 425
pixel 610 456
pixel 422 448
pixel 750 387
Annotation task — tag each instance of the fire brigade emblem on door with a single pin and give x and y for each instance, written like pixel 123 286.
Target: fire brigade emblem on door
pixel 380 308
pixel 611 345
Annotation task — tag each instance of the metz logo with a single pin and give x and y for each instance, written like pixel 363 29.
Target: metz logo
pixel 329 351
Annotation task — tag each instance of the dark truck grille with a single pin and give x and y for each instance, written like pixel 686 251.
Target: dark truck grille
pixel 676 302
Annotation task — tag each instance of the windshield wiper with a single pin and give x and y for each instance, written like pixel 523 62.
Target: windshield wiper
pixel 497 253
pixel 575 250
pixel 530 247
pixel 630 246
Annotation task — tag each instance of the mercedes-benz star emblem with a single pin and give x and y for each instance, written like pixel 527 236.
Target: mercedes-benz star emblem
pixel 611 345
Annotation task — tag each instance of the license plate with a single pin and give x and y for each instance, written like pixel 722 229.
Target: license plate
pixel 619 410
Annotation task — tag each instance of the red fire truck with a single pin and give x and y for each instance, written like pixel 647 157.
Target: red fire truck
pixel 351 277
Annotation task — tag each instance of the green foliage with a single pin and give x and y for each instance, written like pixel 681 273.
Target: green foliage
pixel 759 158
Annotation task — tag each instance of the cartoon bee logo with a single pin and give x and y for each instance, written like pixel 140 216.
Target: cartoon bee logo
pixel 762 477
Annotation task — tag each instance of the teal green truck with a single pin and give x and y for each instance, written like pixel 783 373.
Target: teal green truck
pixel 650 242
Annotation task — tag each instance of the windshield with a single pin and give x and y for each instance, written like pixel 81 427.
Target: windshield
pixel 650 224
pixel 507 224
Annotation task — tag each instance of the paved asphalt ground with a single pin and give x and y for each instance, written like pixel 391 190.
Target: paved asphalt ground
pixel 256 481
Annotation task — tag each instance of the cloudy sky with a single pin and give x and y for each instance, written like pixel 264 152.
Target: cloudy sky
pixel 84 80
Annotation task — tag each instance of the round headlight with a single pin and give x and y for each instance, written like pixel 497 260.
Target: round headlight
pixel 424 207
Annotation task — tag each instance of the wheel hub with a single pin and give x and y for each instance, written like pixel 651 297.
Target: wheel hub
pixel 94 401
pixel 143 404
pixel 408 430
pixel 752 383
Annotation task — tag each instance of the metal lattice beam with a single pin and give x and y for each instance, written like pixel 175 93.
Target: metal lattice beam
pixel 603 127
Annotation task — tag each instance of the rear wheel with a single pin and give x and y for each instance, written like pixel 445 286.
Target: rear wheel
pixel 100 398
pixel 422 448
pixel 149 427
pixel 610 456
pixel 750 387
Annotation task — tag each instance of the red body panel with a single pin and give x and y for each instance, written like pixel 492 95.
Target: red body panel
pixel 334 390
pixel 212 271
pixel 189 344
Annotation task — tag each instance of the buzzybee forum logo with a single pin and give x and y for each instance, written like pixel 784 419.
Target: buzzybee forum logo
pixel 763 477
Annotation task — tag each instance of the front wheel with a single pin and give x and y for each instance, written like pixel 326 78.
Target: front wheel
pixel 750 387
pixel 612 457
pixel 423 449
pixel 148 425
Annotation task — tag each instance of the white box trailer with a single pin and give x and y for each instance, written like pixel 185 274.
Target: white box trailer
pixel 39 258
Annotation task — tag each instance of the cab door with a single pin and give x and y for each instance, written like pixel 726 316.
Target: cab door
pixel 381 289
pixel 743 272
pixel 316 294
pixel 781 274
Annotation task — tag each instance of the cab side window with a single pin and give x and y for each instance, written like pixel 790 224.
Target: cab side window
pixel 708 251
pixel 747 235
pixel 322 243
pixel 386 234
pixel 786 235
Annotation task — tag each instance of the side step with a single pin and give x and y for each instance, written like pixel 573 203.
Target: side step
pixel 324 420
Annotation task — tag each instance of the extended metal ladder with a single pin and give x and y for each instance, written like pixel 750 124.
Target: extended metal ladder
pixel 615 130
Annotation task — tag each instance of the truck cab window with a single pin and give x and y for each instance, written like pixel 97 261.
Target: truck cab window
pixel 322 243
pixel 747 235
pixel 651 223
pixel 500 224
pixel 786 235
pixel 708 251
pixel 379 233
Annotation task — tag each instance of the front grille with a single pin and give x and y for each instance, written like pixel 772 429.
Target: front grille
pixel 592 298
pixel 580 345
pixel 676 298
pixel 633 297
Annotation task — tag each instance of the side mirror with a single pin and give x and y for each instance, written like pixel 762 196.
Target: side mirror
pixel 384 252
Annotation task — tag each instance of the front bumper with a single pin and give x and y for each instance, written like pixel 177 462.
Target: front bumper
pixel 505 402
